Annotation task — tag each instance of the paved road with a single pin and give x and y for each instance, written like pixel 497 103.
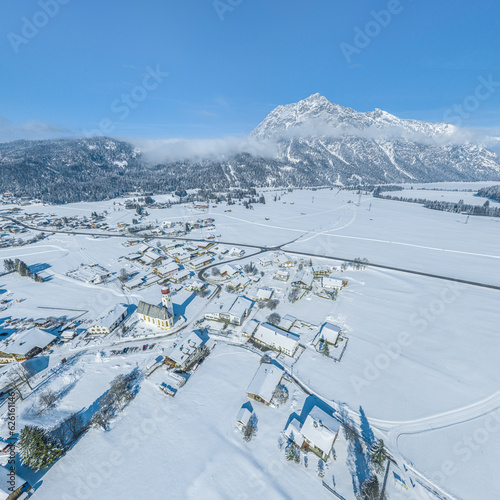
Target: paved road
pixel 262 249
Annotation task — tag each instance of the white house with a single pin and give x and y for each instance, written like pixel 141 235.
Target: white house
pixel 264 383
pixel 200 262
pixel 287 322
pixel 237 311
pixel 277 339
pixel 249 329
pixel 329 333
pixel 110 321
pixel 284 261
pixel 332 283
pixel 317 434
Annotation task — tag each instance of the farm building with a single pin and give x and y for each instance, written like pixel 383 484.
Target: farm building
pixel 317 434
pixel 277 339
pixel 287 322
pixel 25 345
pixel 264 383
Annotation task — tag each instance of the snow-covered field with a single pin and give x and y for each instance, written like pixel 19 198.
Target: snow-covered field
pixel 421 359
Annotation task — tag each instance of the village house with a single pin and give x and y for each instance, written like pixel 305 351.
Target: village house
pixel 236 252
pixel 264 383
pixel 200 262
pixel 320 271
pixel 12 486
pixel 167 270
pixel 265 261
pixel 332 283
pixel 329 333
pixel 180 276
pixel 264 294
pixel 277 339
pixel 318 433
pixel 228 270
pixel 281 275
pixel 239 282
pixel 151 257
pixel 304 280
pixel 187 351
pixel 287 322
pixel 284 261
pixel 250 327
pixel 25 345
pixel 234 314
pixel 110 321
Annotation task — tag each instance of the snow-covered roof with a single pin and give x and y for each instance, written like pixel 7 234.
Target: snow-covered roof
pixel 264 293
pixel 250 327
pixel 240 281
pixel 186 348
pixel 304 277
pixel 113 315
pixel 153 311
pixel 331 282
pixel 287 322
pixel 274 336
pixel 330 332
pixel 168 268
pixel 244 416
pixel 264 382
pixel 24 342
pixel 228 269
pixel 240 307
pixel 321 429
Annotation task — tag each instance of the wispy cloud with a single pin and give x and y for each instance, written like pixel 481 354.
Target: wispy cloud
pixel 33 129
pixel 159 150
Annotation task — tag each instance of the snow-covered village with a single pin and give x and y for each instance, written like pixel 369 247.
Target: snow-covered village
pixel 249 250
pixel 232 349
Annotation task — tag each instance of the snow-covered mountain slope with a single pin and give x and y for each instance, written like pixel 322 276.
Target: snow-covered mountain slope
pixel 316 142
pixel 374 146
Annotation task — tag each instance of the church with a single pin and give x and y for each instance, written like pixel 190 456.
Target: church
pixel 160 316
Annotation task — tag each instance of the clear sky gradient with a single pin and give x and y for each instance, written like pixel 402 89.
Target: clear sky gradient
pixel 230 62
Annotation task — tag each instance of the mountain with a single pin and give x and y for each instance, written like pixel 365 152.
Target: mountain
pixel 316 142
pixel 372 147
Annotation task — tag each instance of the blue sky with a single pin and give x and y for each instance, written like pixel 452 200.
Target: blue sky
pixel 230 62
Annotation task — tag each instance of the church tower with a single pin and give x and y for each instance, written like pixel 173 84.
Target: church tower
pixel 166 299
